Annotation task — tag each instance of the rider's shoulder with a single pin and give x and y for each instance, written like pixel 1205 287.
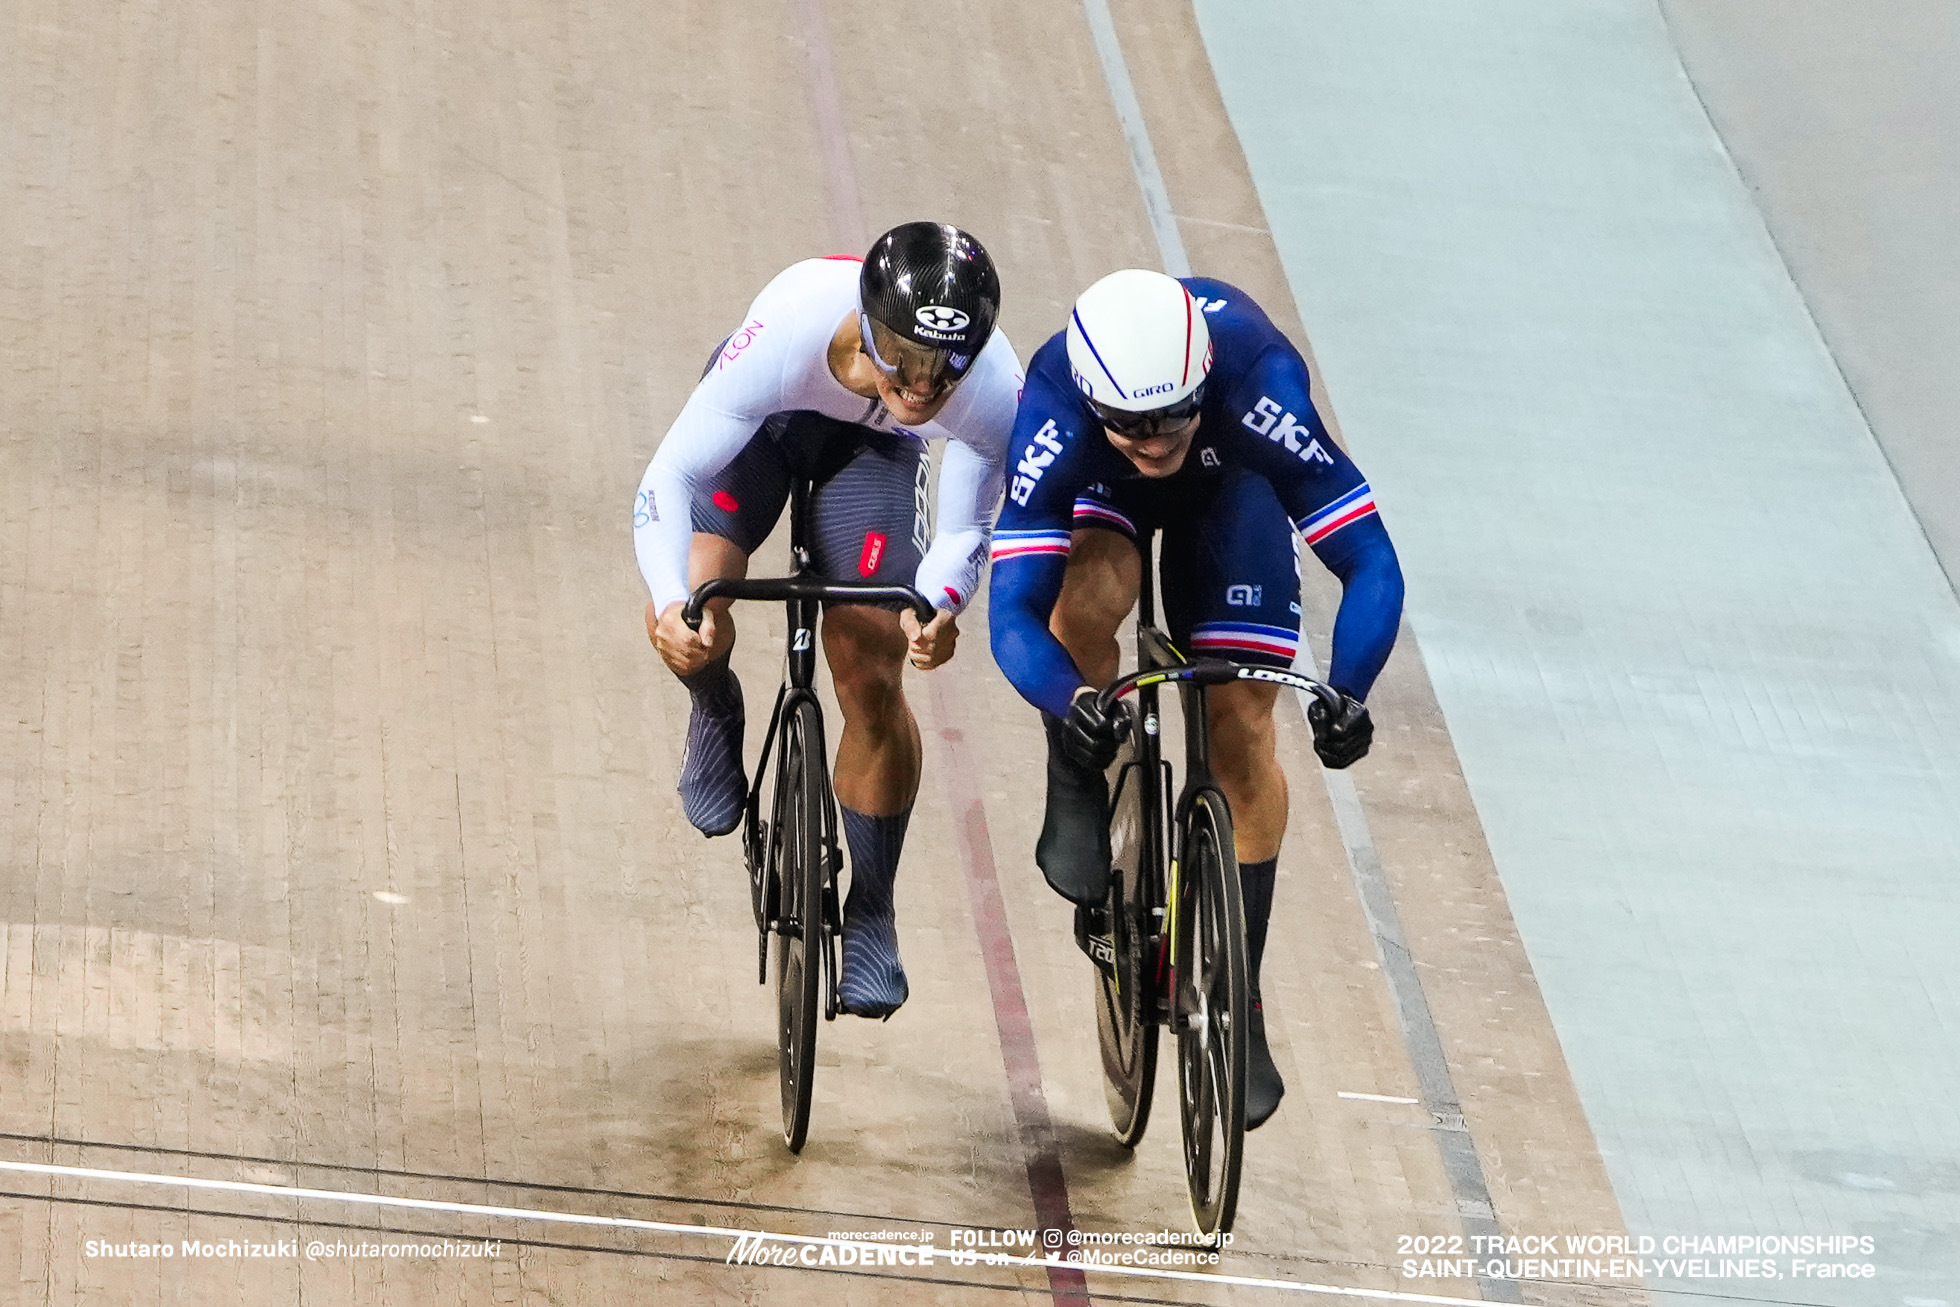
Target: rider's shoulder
pixel 781 341
pixel 816 284
pixel 999 365
pixel 982 410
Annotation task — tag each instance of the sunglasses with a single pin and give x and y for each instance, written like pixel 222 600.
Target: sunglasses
pixel 1152 422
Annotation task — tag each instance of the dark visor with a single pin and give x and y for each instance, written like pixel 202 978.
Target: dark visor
pixel 915 367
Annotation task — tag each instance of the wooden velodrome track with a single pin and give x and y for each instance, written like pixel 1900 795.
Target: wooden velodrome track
pixel 335 770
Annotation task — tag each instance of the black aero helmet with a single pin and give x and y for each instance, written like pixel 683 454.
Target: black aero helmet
pixel 928 297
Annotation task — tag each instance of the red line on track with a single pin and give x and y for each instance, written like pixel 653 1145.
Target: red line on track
pixel 1047 1185
pixel 827 107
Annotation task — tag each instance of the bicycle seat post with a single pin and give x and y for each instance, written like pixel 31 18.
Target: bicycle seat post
pixel 802 613
pixel 1197 725
pixel 1147 582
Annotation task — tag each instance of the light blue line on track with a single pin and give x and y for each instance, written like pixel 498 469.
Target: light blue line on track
pixel 1700 666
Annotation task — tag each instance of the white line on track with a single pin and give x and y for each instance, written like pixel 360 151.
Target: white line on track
pixel 713 1231
pixel 1143 158
pixel 1419 1037
pixel 1376 1098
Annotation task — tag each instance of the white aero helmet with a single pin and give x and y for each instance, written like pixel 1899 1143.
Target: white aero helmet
pixel 1139 349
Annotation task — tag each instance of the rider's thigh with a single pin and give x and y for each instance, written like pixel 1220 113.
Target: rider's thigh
pixel 1099 586
pixel 715 558
pixel 869 506
pixel 1232 575
pixel 741 502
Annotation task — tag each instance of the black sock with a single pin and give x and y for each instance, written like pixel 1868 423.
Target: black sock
pixel 1256 884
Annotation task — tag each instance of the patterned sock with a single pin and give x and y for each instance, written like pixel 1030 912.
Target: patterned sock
pixel 713 786
pixel 873 982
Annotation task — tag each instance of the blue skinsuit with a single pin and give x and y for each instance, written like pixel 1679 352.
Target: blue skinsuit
pixel 1260 467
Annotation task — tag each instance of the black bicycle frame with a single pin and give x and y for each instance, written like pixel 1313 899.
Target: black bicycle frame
pixel 1156 652
pixel 803 594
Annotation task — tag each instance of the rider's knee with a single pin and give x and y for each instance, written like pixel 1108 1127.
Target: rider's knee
pixel 1084 630
pixel 867 662
pixel 1244 738
pixel 723 640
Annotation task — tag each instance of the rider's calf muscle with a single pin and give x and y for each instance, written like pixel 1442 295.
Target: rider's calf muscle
pixel 1245 761
pixel 878 752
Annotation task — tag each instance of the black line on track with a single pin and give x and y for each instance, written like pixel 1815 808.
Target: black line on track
pixel 563 1247
pixel 541 1186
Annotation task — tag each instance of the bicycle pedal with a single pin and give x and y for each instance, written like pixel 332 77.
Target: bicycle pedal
pixel 1094 938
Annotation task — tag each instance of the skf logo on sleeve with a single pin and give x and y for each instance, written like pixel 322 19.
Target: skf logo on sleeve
pixel 1041 451
pixel 1275 424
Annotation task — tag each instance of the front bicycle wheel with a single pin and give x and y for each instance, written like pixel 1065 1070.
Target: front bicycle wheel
pixel 1126 1007
pixel 1213 1008
pixel 799 929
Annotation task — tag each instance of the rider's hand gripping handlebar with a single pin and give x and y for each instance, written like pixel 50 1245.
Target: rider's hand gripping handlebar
pixel 1213 671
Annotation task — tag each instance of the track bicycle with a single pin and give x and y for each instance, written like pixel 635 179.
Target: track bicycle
pixel 792 853
pixel 1169 943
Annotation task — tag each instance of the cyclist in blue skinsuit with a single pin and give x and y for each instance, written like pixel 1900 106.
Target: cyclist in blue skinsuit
pixel 1180 408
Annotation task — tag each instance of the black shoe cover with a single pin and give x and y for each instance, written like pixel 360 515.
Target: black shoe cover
pixel 1263 1087
pixel 1073 851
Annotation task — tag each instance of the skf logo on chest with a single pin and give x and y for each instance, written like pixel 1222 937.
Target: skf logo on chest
pixel 1041 451
pixel 1279 426
pixel 1244 596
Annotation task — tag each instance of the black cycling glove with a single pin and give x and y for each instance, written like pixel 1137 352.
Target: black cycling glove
pixel 1341 738
pixel 1089 738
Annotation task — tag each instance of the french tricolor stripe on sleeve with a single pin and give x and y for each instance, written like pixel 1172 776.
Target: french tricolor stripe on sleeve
pixel 1230 639
pixel 1351 507
pixel 1094 510
pixel 1028 544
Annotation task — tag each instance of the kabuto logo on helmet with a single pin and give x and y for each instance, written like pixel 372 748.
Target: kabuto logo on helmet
pixel 939 319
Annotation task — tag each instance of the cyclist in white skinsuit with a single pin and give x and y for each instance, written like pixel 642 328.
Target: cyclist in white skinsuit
pixel 841 372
